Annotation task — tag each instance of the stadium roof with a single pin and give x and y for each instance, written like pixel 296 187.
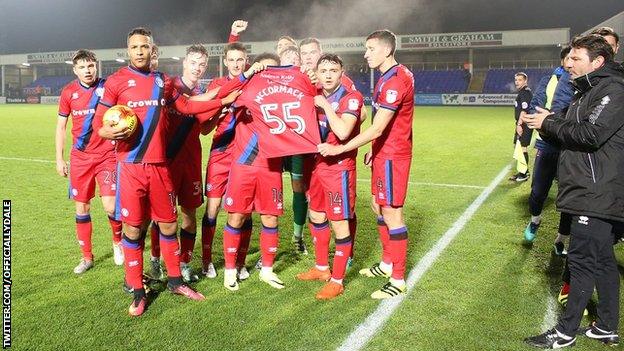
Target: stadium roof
pixel 65 25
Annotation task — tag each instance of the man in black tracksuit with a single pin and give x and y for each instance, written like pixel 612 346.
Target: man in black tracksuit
pixel 591 187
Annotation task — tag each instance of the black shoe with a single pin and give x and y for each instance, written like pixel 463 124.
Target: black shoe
pixel 607 337
pixel 522 177
pixel 551 339
pixel 559 249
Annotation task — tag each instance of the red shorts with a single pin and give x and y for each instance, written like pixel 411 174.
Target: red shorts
pixel 252 188
pixel 389 182
pixel 144 191
pixel 217 172
pixel 333 192
pixel 186 176
pixel 85 170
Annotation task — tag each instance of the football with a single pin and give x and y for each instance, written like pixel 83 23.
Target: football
pixel 121 116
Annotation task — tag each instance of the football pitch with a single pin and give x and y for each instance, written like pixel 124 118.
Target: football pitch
pixel 475 285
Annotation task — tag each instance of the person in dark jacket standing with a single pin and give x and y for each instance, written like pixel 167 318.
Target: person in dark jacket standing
pixel 553 93
pixel 591 190
pixel 523 133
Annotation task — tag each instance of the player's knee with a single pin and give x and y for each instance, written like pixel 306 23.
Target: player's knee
pixel 269 221
pixel 393 217
pixel 82 208
pixel 131 232
pixel 317 217
pixel 341 229
pixel 236 220
pixel 212 207
pixel 168 228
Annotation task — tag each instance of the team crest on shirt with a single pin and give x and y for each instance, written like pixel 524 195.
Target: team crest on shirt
pixel 74 96
pixel 353 104
pixel 391 96
pixel 99 92
pixel 131 83
pixel 160 82
pixel 334 105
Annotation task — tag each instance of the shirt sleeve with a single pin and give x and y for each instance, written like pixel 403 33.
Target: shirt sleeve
pixel 350 104
pixel 392 94
pixel 109 98
pixel 525 100
pixel 64 104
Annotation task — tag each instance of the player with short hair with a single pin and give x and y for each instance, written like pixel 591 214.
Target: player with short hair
pixel 218 167
pixel 283 42
pixel 332 189
pixel 310 51
pixel 92 158
pixel 391 155
pixel 243 194
pixel 144 188
pixel 184 155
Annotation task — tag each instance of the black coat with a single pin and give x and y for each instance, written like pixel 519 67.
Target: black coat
pixel 591 137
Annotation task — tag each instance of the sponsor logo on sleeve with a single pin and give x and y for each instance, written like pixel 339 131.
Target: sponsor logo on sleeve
pixel 391 96
pixel 353 104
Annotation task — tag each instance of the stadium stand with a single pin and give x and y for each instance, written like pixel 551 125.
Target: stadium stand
pixel 47 85
pixel 501 81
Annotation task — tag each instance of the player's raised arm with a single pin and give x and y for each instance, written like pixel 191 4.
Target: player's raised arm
pixel 238 27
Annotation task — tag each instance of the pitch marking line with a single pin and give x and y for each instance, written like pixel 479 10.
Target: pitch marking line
pixel 366 330
pixel 550 317
pixel 359 179
pixel 25 159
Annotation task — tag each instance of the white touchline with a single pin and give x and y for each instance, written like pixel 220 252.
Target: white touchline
pixel 25 159
pixel 286 174
pixel 550 318
pixel 365 331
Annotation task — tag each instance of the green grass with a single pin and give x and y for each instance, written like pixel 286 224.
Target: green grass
pixel 485 292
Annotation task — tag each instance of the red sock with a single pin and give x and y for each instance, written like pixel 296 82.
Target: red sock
pixel 398 250
pixel 208 231
pixel 321 235
pixel 116 228
pixel 171 254
pixel 243 248
pixel 343 250
pixel 187 243
pixel 565 290
pixel 269 240
pixel 84 230
pixel 352 231
pixel 133 261
pixel 231 242
pixel 155 240
pixel 384 237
